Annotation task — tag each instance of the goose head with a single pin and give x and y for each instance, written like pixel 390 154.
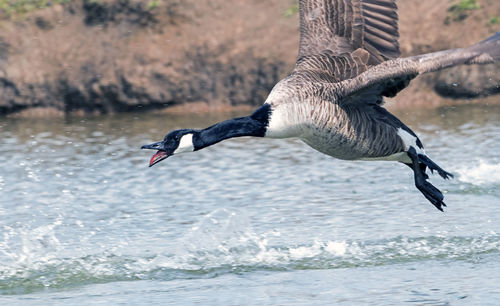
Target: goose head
pixel 175 142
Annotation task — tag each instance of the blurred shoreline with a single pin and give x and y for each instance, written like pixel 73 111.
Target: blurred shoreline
pixel 86 57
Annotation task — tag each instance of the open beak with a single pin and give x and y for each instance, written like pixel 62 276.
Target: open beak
pixel 159 155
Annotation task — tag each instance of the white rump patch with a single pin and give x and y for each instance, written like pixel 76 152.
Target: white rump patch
pixel 185 144
pixel 409 141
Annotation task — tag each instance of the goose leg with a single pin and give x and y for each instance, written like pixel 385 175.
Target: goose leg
pixel 430 192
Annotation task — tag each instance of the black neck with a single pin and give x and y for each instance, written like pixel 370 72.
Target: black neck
pixel 253 125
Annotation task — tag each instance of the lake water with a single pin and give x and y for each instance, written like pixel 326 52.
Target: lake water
pixel 84 221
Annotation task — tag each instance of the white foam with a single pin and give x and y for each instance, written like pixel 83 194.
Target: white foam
pixel 483 174
pixel 303 252
pixel 222 256
pixel 336 248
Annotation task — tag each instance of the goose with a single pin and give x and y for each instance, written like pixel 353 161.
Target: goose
pixel 348 61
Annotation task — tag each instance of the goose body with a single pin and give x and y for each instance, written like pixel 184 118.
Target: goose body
pixel 348 133
pixel 348 62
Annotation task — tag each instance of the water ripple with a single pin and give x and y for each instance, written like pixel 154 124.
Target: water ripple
pixel 78 205
pixel 223 242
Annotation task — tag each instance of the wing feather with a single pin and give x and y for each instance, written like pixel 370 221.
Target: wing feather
pixel 343 26
pixel 388 78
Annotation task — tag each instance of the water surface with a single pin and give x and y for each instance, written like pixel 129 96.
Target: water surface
pixel 83 220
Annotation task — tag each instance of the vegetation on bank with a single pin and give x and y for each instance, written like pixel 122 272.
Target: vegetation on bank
pixel 290 11
pixel 460 10
pixel 11 8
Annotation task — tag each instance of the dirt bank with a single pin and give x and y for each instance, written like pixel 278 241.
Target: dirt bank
pixel 118 55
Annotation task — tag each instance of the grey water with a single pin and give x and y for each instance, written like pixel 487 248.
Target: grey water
pixel 84 221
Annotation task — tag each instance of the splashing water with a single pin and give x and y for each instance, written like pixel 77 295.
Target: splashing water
pixel 483 173
pixel 268 221
pixel 221 242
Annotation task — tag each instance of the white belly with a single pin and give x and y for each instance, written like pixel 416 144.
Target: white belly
pixel 400 157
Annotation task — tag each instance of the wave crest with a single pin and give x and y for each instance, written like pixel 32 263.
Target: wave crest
pixel 483 173
pixel 224 242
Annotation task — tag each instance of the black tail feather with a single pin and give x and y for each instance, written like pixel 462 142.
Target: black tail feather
pixel 433 166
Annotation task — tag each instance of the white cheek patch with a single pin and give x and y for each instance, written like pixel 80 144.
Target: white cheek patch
pixel 186 144
pixel 409 140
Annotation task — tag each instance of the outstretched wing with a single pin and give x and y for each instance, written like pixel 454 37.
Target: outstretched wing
pixel 342 26
pixel 388 78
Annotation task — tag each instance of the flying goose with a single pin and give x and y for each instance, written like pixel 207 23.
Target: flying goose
pixel 348 62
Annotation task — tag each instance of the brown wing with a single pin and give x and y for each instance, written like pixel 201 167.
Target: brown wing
pixel 342 26
pixel 388 78
pixel 328 67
